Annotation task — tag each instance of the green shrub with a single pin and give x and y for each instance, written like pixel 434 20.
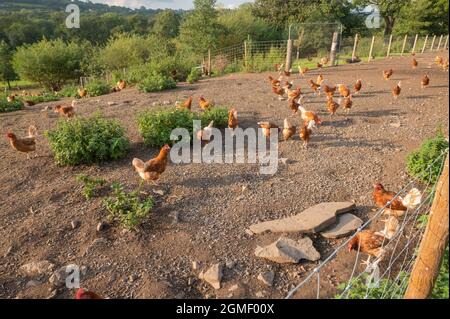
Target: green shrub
pixel 217 114
pixel 154 82
pixel 91 186
pixel 69 91
pixel 43 98
pixel 6 106
pixel 87 140
pixel 156 126
pixel 97 88
pixel 440 290
pixel 50 62
pixel 388 289
pixel 194 76
pixel 127 207
pixel 418 161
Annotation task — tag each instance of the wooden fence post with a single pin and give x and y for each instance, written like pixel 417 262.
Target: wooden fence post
pixel 415 43
pixel 433 244
pixel 355 45
pixel 446 43
pixel 334 46
pixel 389 47
pixel 404 44
pixel 209 63
pixel 425 44
pixel 439 43
pixel 432 43
pixel 371 49
pixel 289 55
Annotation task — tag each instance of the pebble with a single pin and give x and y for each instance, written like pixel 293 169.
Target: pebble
pixel 102 226
pixel 75 224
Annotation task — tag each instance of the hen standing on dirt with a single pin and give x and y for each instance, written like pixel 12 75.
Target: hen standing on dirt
pixel 152 170
pixel 26 144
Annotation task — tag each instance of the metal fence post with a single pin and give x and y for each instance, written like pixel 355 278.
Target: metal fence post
pixel 433 244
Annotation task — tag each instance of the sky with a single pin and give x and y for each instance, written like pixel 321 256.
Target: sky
pixel 163 4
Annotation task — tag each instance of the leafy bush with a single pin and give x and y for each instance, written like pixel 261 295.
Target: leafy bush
pixel 69 91
pixel 154 82
pixel 418 161
pixel 386 288
pixel 194 76
pixel 6 106
pixel 97 88
pixel 50 62
pixel 91 186
pixel 87 140
pixel 217 114
pixel 156 126
pixel 128 208
pixel 440 290
pixel 43 98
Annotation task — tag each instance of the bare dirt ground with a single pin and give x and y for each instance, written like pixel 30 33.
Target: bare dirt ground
pixel 38 199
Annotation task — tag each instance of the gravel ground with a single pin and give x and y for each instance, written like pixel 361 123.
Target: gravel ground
pixel 216 203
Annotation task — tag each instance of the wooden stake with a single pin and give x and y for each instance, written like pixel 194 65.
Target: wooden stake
pixel 389 47
pixel 371 49
pixel 209 62
pixel 289 55
pixel 334 46
pixel 404 44
pixel 439 43
pixel 425 44
pixel 415 43
pixel 355 45
pixel 446 43
pixel 432 43
pixel 245 54
pixel 433 244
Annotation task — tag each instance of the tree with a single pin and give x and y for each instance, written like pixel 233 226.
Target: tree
pixel 389 10
pixel 50 63
pixel 199 31
pixel 7 73
pixel 167 24
pixel 423 17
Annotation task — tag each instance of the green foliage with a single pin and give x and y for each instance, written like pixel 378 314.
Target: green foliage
pixel 7 73
pixel 87 141
pixel 91 186
pixel 42 98
pixel 69 91
pixel 217 114
pixel 127 207
pixel 167 24
pixel 194 76
pixel 97 88
pixel 49 63
pixel 6 106
pixel 386 288
pixel 440 290
pixel 154 82
pixel 418 161
pixel 155 126
pixel 125 51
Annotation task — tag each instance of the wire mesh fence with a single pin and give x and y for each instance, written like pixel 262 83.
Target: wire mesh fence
pixel 311 43
pixel 386 277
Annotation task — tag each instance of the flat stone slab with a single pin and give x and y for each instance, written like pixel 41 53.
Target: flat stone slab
pixel 286 250
pixel 313 220
pixel 346 225
pixel 213 276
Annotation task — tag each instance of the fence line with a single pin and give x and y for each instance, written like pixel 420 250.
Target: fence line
pixel 410 219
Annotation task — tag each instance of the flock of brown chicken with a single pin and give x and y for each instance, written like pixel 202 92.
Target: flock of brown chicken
pixel 366 241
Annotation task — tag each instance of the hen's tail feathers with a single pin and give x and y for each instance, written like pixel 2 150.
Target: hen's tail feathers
pixel 412 199
pixel 139 165
pixel 32 131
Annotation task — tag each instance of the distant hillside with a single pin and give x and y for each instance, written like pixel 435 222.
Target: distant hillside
pixel 58 5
